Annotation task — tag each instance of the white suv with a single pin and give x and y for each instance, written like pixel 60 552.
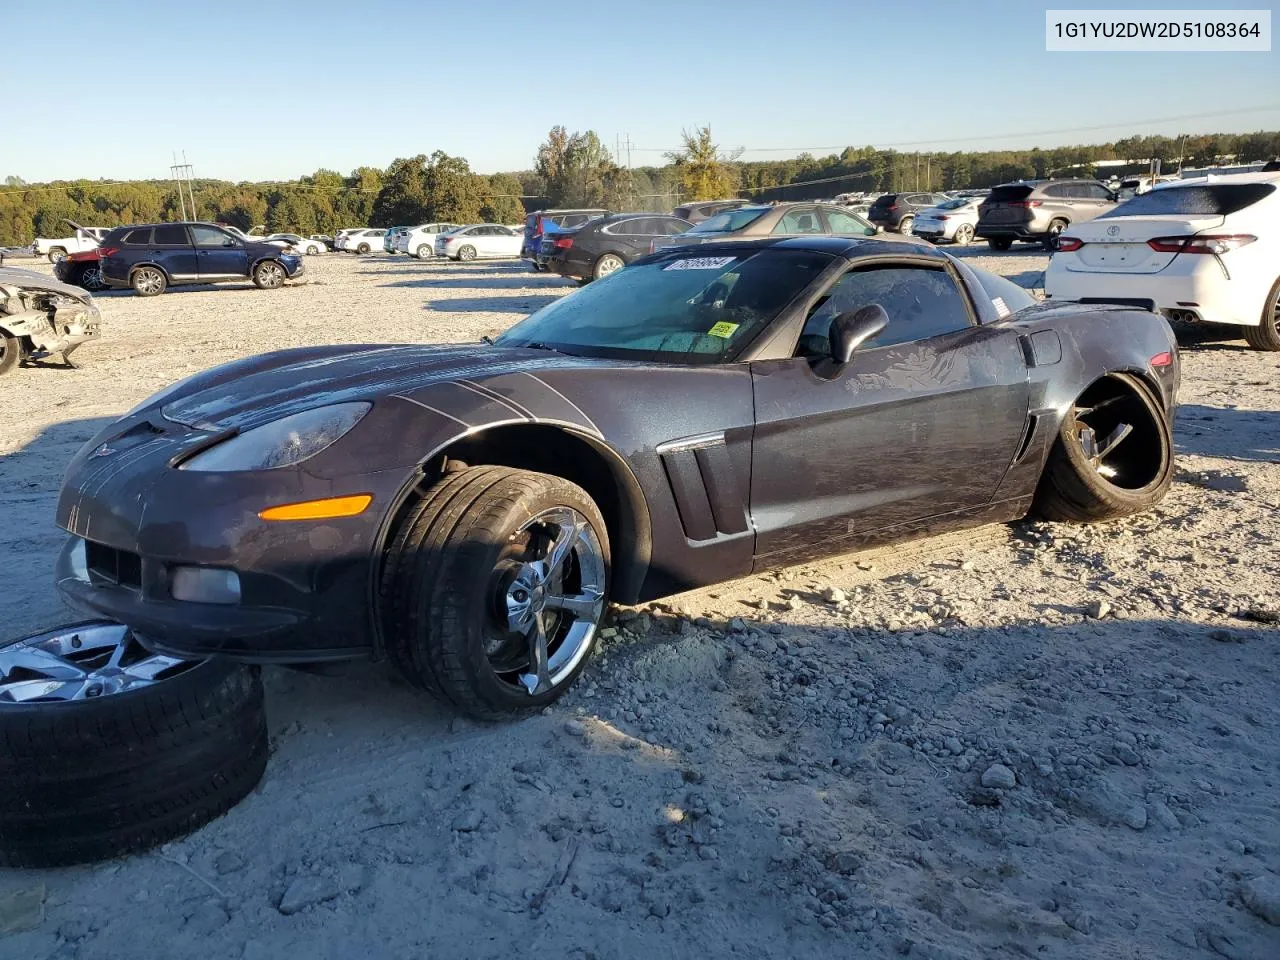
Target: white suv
pixel 421 240
pixel 1202 250
pixel 360 241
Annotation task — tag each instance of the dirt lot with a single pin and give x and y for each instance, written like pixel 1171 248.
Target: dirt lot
pixel 1036 740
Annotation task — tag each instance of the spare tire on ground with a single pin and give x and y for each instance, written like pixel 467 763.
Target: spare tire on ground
pixel 107 749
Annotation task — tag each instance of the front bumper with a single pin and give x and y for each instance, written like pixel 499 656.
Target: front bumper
pixel 293 266
pixel 305 587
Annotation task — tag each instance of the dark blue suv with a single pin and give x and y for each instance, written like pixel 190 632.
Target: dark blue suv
pixel 151 257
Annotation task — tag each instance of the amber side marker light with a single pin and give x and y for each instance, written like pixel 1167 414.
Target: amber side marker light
pixel 325 509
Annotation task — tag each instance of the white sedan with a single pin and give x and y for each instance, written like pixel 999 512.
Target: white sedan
pixel 954 220
pixel 1203 250
pixel 309 247
pixel 479 241
pixel 360 240
pixel 420 241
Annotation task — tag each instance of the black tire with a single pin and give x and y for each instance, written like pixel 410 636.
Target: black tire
pixel 269 275
pixel 466 253
pixel 1050 240
pixel 91 278
pixel 963 235
pixel 905 225
pixel 10 353
pixel 999 243
pixel 1266 335
pixel 363 248
pixel 437 589
pixel 56 254
pixel 148 281
pixel 93 779
pixel 1073 488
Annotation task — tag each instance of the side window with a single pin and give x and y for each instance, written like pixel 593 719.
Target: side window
pixel 1056 191
pixel 840 222
pixel 574 220
pixel 211 237
pixel 171 235
pixel 671 227
pixel 799 220
pixel 1096 191
pixel 139 238
pixel 921 303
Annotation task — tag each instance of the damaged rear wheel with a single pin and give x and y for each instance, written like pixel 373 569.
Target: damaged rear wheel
pixel 1113 456
pixel 107 749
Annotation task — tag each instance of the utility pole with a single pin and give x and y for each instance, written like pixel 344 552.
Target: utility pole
pixel 181 173
pixel 173 172
pixel 917 171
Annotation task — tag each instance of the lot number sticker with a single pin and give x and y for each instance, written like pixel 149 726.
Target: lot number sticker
pixel 723 330
pixel 700 263
pixel 1002 310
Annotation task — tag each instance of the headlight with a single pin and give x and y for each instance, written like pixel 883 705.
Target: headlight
pixel 281 443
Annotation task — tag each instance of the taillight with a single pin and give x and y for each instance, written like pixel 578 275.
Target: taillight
pixel 1162 359
pixel 1067 244
pixel 1203 244
pixel 1025 203
pixel 941 216
pixel 893 208
pixel 108 251
pixel 564 243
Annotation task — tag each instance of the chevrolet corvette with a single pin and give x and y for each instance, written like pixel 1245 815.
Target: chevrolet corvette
pixel 470 511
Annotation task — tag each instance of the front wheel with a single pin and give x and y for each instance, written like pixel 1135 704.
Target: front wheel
pixel 905 226
pixel 609 263
pixel 10 352
pixel 268 275
pixel 467 253
pixel 1266 335
pixel 148 282
pixel 1000 243
pixel 494 587
pixel 964 234
pixel 1113 456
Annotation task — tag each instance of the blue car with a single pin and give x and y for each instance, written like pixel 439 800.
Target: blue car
pixel 151 257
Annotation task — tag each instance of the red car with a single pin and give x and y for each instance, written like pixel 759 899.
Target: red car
pixel 82 269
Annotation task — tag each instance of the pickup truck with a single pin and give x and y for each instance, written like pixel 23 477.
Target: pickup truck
pixel 84 238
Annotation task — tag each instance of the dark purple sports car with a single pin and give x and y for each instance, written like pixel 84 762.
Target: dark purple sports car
pixel 470 511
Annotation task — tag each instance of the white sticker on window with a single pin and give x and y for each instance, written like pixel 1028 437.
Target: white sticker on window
pixel 700 263
pixel 1001 310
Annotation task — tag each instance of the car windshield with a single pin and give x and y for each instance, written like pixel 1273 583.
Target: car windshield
pixel 674 308
pixel 1217 199
pixel 730 220
pixel 953 204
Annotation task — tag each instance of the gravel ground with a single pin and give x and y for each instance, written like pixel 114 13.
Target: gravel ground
pixel 1034 740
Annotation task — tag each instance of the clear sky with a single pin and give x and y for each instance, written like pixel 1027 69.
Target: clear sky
pixel 272 90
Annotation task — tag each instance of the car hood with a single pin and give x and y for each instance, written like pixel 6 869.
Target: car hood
pixel 286 385
pixel 31 280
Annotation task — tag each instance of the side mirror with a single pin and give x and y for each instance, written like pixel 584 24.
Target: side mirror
pixel 852 329
pixel 228 242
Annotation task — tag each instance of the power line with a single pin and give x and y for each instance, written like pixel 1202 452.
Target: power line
pixel 999 136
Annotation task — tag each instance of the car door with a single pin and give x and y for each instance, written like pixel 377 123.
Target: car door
pixel 219 255
pixel 922 422
pixel 172 249
pixel 1090 200
pixel 505 242
pixel 841 223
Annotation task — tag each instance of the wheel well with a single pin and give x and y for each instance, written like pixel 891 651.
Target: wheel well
pixel 586 462
pixel 155 266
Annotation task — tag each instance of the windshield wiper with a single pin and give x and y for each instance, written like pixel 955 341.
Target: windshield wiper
pixel 488 339
pixel 539 346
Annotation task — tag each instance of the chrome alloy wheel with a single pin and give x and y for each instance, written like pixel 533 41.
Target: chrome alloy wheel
pixel 549 599
pixel 81 662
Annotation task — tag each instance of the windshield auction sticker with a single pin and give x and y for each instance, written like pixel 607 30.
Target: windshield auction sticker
pixel 700 263
pixel 1128 31
pixel 724 330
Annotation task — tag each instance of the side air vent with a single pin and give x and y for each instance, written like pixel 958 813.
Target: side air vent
pixel 705 486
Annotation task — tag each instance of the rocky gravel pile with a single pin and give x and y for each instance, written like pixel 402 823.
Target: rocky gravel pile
pixel 1034 740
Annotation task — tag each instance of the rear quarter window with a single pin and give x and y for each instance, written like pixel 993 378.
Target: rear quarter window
pixel 1217 199
pixel 1014 297
pixel 138 238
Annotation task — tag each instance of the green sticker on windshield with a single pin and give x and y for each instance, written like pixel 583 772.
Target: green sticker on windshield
pixel 723 330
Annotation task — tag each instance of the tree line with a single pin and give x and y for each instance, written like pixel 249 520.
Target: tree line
pixel 575 170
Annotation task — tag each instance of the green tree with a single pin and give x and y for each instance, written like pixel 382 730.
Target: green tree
pixel 403 197
pixel 704 174
pixel 454 194
pixel 502 199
